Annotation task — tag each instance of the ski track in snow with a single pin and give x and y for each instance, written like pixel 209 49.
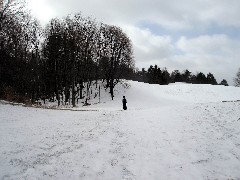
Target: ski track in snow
pixel 190 141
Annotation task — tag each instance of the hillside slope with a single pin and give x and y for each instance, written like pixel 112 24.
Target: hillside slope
pixel 143 96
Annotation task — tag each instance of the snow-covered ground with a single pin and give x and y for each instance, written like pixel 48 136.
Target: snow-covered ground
pixel 179 131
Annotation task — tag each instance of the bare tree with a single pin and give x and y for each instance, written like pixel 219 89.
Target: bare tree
pixel 70 47
pixel 237 79
pixel 11 8
pixel 82 32
pixel 117 51
pixel 78 51
pixel 19 43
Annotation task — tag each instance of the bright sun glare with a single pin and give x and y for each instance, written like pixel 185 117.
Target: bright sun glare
pixel 41 10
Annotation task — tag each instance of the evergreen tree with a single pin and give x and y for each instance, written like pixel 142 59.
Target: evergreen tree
pixel 150 75
pixel 176 76
pixel 224 82
pixel 211 79
pixel 186 76
pixel 144 75
pixel 201 78
pixel 165 77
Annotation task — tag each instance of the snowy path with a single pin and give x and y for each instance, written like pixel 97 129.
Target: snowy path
pixel 200 141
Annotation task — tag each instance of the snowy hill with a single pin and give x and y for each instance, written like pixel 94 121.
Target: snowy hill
pixel 143 96
pixel 179 131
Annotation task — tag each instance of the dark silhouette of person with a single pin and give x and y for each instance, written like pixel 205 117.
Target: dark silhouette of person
pixel 124 101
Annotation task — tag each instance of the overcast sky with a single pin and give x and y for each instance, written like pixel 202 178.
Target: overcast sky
pixel 199 35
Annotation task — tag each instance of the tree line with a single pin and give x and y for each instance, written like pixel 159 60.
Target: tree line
pixel 156 75
pixel 59 61
pixel 65 60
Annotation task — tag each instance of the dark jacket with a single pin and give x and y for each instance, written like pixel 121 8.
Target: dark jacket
pixel 124 101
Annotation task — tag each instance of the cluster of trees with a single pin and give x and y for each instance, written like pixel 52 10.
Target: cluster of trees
pixel 18 43
pixel 156 75
pixel 56 62
pixel 63 61
pixel 77 50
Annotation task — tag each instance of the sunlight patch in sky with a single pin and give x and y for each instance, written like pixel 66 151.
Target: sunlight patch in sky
pixel 41 10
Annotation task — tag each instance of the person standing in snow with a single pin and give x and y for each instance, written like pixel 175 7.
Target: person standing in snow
pixel 124 101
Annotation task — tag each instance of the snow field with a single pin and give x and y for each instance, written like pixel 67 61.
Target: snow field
pixel 178 131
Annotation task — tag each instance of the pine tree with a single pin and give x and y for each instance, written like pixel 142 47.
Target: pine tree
pixel 211 79
pixel 186 76
pixel 224 82
pixel 165 77
pixel 176 76
pixel 201 78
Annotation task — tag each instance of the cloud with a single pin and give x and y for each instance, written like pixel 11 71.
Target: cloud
pixel 148 46
pixel 170 14
pixel 200 35
pixel 218 54
pixel 224 13
pixel 218 44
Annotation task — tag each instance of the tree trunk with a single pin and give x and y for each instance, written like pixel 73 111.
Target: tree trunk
pixel 111 88
pixel 73 95
pixel 99 89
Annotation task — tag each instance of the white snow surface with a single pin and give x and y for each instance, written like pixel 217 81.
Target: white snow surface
pixel 179 131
